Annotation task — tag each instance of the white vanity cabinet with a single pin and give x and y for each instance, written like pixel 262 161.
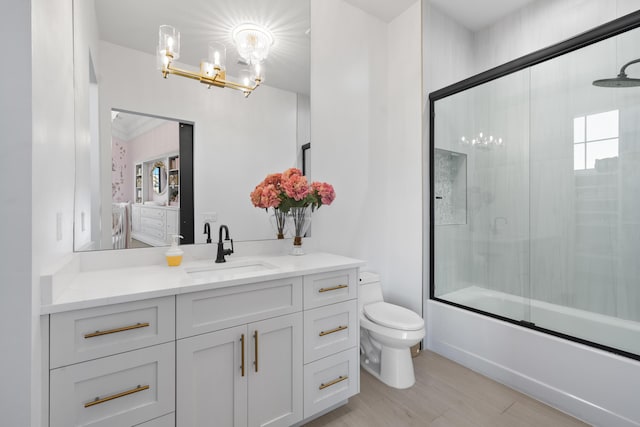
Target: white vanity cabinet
pixel 245 366
pixel 271 353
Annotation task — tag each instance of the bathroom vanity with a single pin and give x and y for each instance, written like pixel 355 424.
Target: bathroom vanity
pixel 256 341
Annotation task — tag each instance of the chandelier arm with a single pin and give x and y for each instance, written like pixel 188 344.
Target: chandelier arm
pixel 212 81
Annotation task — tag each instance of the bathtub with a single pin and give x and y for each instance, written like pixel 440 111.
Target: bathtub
pixel 597 328
pixel 592 384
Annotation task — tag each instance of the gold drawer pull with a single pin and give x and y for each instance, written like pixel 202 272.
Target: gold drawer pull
pixel 98 401
pixel 242 356
pixel 255 361
pixel 113 331
pixel 334 288
pixel 336 381
pixel 331 331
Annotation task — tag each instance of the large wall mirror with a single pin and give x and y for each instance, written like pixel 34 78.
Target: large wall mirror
pixel 128 116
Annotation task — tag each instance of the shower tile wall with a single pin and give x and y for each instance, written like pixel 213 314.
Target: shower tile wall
pixel 585 232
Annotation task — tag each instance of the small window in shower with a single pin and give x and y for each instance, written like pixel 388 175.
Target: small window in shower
pixel 595 138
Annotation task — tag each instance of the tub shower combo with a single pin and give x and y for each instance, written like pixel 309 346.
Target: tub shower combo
pixel 535 190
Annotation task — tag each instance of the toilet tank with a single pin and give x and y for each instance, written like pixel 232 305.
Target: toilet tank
pixel 370 289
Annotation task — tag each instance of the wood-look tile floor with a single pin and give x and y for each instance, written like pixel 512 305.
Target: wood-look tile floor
pixel 445 394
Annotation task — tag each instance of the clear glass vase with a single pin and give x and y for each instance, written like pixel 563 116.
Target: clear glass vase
pixel 300 217
pixel 278 221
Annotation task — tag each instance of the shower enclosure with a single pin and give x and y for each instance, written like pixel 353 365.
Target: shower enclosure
pixel 535 191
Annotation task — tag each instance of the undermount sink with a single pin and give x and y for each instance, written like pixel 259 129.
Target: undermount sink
pixel 227 270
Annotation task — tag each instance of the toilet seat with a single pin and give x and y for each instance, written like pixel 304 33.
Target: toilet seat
pixel 393 316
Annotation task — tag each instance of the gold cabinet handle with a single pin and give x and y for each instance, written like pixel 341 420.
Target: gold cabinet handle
pixel 98 400
pixel 116 330
pixel 334 288
pixel 242 355
pixel 336 381
pixel 331 331
pixel 255 337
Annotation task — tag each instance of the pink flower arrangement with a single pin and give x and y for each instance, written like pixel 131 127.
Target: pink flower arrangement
pixel 290 189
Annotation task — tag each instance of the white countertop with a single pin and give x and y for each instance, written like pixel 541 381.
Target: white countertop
pixel 116 285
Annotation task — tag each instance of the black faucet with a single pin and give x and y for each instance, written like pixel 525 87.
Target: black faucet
pixel 207 231
pixel 221 250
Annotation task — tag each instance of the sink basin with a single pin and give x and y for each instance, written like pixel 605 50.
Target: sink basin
pixel 228 270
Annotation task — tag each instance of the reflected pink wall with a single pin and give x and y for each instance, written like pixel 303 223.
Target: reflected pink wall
pixel 154 144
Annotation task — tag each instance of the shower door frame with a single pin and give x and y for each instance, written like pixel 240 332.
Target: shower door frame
pixel 597 34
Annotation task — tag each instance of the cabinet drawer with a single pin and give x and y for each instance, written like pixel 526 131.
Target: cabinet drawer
pixel 121 390
pixel 152 213
pixel 331 287
pixel 87 334
pixel 330 329
pixel 168 420
pixel 150 223
pixel 153 233
pixel 201 312
pixel 172 224
pixel 331 380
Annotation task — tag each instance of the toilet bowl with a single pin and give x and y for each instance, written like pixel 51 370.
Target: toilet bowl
pixel 387 332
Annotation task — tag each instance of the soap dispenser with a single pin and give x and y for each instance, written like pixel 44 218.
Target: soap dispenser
pixel 174 254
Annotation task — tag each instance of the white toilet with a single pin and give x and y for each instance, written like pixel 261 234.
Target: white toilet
pixel 387 332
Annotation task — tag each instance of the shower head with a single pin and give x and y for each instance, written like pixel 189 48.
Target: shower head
pixel 621 80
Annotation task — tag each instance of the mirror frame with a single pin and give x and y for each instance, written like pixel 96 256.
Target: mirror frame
pixel 600 33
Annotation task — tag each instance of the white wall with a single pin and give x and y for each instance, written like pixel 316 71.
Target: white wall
pixel 366 141
pixel 348 117
pixel 593 385
pixel 237 140
pixel 400 164
pixel 88 201
pixel 16 319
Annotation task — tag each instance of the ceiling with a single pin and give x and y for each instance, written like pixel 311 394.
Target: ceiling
pixel 126 126
pixel 386 10
pixel 134 24
pixel 478 14
pixel 473 14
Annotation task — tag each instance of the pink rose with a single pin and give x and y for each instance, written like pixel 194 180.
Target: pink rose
pixel 295 186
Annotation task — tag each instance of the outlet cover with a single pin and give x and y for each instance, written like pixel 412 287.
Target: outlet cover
pixel 59 226
pixel 210 217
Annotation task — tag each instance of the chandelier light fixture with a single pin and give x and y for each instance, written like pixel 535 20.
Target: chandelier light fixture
pixel 482 141
pixel 252 42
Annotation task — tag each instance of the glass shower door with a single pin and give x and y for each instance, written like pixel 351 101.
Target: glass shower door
pixel 481 197
pixel 585 187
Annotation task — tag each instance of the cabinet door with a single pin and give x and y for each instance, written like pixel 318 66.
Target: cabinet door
pixel 211 389
pixel 275 377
